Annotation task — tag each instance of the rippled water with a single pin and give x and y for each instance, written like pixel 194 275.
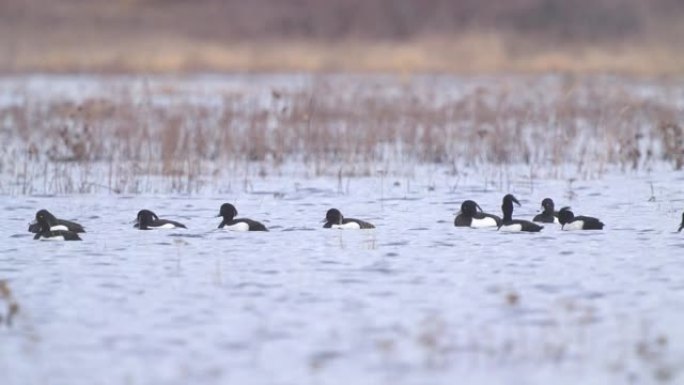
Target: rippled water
pixel 415 301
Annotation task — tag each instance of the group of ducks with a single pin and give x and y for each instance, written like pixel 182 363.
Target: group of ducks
pixel 471 215
pixel 48 227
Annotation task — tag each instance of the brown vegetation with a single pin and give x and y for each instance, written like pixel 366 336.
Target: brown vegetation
pixel 10 307
pixel 628 36
pixel 337 125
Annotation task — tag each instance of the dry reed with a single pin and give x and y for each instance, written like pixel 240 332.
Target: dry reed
pixel 126 138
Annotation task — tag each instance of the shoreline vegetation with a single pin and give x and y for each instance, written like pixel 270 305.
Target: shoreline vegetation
pixel 626 37
pixel 72 134
pixel 469 54
pixel 117 93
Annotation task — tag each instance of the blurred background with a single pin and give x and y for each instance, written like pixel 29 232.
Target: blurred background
pixel 460 36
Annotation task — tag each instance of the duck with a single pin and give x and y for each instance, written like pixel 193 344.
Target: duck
pixel 335 220
pixel 471 215
pixel 548 215
pixel 147 220
pixel 57 235
pixel 569 221
pixel 54 223
pixel 48 230
pixel 229 212
pixel 510 224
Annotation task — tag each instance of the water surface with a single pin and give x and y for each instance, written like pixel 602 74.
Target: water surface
pixel 415 301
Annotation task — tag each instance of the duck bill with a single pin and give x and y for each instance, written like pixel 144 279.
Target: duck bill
pixel 478 207
pixel 516 201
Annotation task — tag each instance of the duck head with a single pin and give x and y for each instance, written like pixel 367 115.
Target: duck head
pixel 548 205
pixel 469 208
pixel 144 219
pixel 565 215
pixel 333 216
pixel 228 212
pixel 43 222
pixel 507 206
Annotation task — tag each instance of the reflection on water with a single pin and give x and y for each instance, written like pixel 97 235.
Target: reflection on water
pixel 414 301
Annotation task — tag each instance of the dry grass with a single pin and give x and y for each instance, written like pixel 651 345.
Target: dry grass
pixel 467 53
pixel 11 306
pixel 410 36
pixel 339 126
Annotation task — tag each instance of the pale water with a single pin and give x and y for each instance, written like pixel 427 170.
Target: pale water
pixel 415 301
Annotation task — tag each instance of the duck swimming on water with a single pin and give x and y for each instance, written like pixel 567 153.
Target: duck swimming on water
pixel 510 224
pixel 569 221
pixel 335 220
pixel 471 215
pixel 54 223
pixel 50 229
pixel 147 220
pixel 229 222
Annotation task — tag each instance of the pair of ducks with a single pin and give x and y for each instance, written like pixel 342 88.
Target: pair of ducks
pixel 148 220
pixel 48 227
pixel 471 215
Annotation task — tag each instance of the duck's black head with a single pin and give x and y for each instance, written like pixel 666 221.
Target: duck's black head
pixel 548 205
pixel 228 212
pixel 508 201
pixel 507 206
pixel 469 208
pixel 333 216
pixel 45 220
pixel 45 215
pixel 145 218
pixel 565 215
